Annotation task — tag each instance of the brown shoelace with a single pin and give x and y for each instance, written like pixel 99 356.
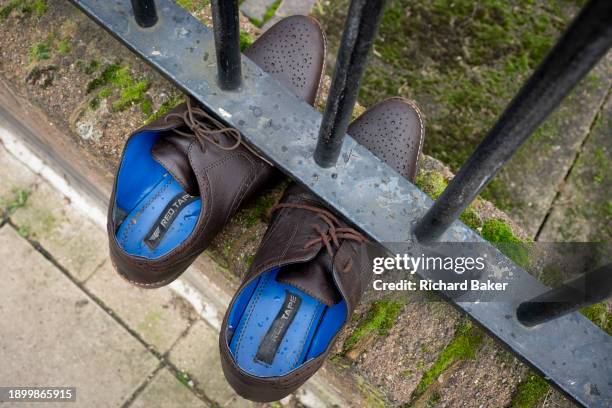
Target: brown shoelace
pixel 207 129
pixel 334 232
pixel 204 127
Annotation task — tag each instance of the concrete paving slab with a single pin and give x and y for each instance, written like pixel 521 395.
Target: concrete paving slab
pixel 197 354
pixel 586 194
pixel 159 316
pixel 166 391
pixel 75 242
pixel 290 8
pixel 535 174
pixel 54 335
pixel 256 9
pixel 15 178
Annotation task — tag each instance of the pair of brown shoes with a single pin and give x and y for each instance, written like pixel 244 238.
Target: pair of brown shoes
pixel 182 177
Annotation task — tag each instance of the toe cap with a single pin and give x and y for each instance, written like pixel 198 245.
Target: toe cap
pixel 393 130
pixel 293 52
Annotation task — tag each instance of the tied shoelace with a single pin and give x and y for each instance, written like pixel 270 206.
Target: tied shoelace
pixel 208 129
pixel 204 127
pixel 334 232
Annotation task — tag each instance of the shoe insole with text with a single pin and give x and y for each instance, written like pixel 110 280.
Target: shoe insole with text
pixel 160 221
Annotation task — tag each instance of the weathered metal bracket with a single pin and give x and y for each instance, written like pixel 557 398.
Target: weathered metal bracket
pixel 570 351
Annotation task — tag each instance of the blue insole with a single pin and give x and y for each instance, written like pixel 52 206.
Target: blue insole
pixel 253 318
pixel 137 227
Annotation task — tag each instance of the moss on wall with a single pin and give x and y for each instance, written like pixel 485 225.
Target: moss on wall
pixel 464 345
pixel 530 392
pixel 379 319
pixel 118 81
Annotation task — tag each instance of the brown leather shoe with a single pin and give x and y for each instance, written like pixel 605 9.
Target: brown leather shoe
pixel 309 273
pixel 182 177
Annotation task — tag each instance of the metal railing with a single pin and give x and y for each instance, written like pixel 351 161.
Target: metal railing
pixel 583 44
pixel 242 101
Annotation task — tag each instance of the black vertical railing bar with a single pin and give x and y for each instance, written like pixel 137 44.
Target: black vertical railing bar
pixel 585 290
pixel 144 12
pixel 581 46
pixel 359 32
pixel 226 25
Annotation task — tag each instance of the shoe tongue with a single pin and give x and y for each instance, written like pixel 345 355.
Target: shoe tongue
pixel 171 152
pixel 314 278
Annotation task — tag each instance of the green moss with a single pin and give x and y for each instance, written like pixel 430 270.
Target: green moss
pixel 268 14
pixel 256 22
pixel 193 5
pixel 249 260
pixel 497 231
pixel 39 51
pixel 146 106
pixel 471 218
pixel 271 11
pixel 259 210
pixel 379 319
pixel 131 92
pixel 607 208
pixel 245 40
pixel 7 9
pixel 19 200
pixel 530 392
pixel 94 103
pixel 602 166
pixel 24 231
pixel 500 234
pixel 183 378
pixel 165 107
pixel 63 47
pixel 433 184
pixel 466 343
pixel 36 7
pixel 105 93
pixel 463 60
pixel 600 315
pixel 104 78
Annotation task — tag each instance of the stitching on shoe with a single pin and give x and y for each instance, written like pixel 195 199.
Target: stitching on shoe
pixel 252 308
pixel 414 106
pixel 324 65
pixel 306 335
pixel 277 260
pixel 247 182
pixel 144 285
